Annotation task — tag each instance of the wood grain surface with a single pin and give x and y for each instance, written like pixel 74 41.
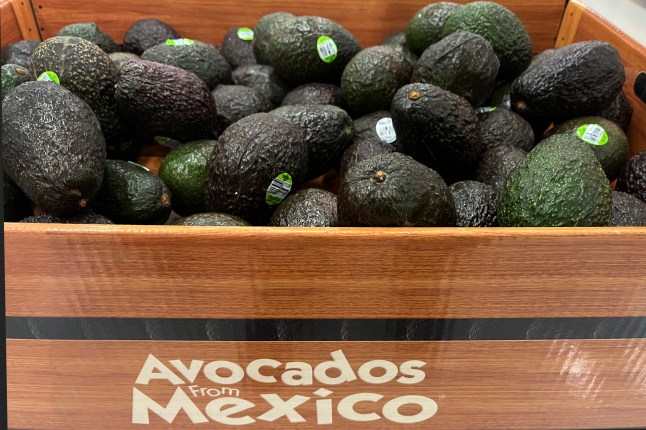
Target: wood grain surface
pixel 580 23
pixel 10 28
pixel 369 20
pixel 585 384
pixel 261 272
pixel 26 19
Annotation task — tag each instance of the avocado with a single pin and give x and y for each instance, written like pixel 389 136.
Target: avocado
pixel 254 166
pixel 234 102
pixel 632 178
pixel 620 111
pixel 377 125
pixel 425 27
pixel 463 63
pixel 310 207
pixel 627 210
pixel 559 183
pixel 53 148
pixel 362 148
pixel 394 190
pixel 502 28
pixel 437 128
pixel 90 32
pixel 327 130
pixel 475 204
pixel 576 80
pixel 212 219
pixel 131 194
pixel 606 139
pixel 501 96
pixel 263 79
pixel 397 41
pixel 12 76
pixel 19 52
pixel 146 33
pixel 16 204
pixel 496 164
pixel 184 171
pixel 163 100
pixel 504 127
pixel 315 93
pixel 371 78
pixel 237 47
pixel 311 49
pixel 86 216
pixel 120 58
pixel 201 58
pixel 263 32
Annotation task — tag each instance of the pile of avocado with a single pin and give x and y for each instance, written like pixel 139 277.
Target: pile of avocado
pixel 453 121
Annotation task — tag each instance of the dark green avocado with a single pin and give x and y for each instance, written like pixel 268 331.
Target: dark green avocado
pixel 315 93
pixel 394 190
pixel 363 148
pixel 397 41
pixel 163 100
pixel 12 76
pixel 53 148
pixel 437 128
pixel 90 32
pixel 234 102
pixel 425 27
pixel 377 124
pixel 146 33
pixel 632 178
pixel 237 46
pixel 263 79
pixel 496 164
pixel 463 63
pixel 265 28
pixel 201 58
pixel 475 204
pixel 371 78
pixel 501 96
pixel 16 204
pixel 504 127
pixel 310 207
pixel 258 160
pixel 627 210
pixel 327 130
pixel 620 111
pixel 86 216
pixel 19 52
pixel 212 219
pixel 576 80
pixel 87 71
pixel 559 184
pixel 131 194
pixel 120 58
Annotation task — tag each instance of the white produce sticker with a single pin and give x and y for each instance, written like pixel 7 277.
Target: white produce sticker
pixel 386 130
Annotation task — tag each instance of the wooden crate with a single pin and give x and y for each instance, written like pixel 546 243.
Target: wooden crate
pixel 444 274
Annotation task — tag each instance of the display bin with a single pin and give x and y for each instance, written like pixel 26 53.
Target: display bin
pixel 519 328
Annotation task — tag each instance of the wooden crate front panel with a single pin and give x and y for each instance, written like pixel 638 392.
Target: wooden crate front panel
pixel 369 20
pixel 10 28
pixel 473 384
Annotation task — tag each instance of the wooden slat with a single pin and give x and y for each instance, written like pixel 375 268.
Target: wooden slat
pixel 256 272
pixel 582 384
pixel 369 20
pixel 26 20
pixel 10 28
pixel 581 24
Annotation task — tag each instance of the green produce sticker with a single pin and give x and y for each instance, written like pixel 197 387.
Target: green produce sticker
pixel 486 109
pixel 278 189
pixel 180 42
pixel 326 48
pixel 245 33
pixel 593 134
pixel 49 76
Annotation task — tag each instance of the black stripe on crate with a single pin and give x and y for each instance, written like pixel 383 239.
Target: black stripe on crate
pixel 325 329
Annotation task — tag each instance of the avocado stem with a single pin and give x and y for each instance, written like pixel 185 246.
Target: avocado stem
pixel 379 176
pixel 83 203
pixel 414 95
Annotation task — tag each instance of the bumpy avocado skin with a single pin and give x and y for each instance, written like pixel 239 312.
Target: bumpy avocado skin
pixel 576 80
pixel 237 52
pixel 632 178
pixel 363 148
pixel 88 72
pixel 315 93
pixel 53 148
pixel 12 76
pixel 397 41
pixel 131 194
pixel 310 207
pixel 327 130
pixel 19 52
pixel 90 32
pixel 212 219
pixel 86 216
pixel 620 111
pixel 463 63
pixel 293 50
pixel 394 190
pixel 627 210
pixel 263 79
pixel 163 100
pixel 504 127
pixel 502 28
pixel 425 27
pixel 265 28
pixel 437 128
pixel 201 58
pixel 120 58
pixel 497 163
pixel 559 183
pixel 475 204
pixel 250 154
pixel 234 102
pixel 16 204
pixel 371 78
pixel 146 33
